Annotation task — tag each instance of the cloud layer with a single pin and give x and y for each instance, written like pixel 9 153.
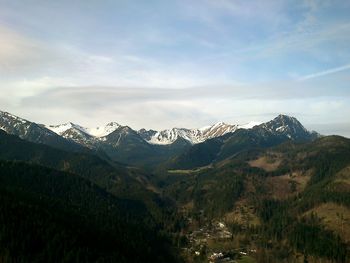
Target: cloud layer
pixel 184 63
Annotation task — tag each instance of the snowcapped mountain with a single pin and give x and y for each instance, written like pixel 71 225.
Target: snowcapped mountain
pixel 35 132
pixel 193 136
pixel 285 126
pixel 250 125
pixel 82 135
pixel 62 128
pixel 91 136
pixel 88 136
pixel 94 132
pixel 13 124
pixel 169 136
pixel 149 147
pixel 279 130
pixel 104 130
pixel 282 125
pixel 73 132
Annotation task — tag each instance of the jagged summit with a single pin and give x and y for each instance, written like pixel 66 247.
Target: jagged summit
pixel 62 128
pixel 100 131
pixel 10 117
pixel 15 125
pixel 284 125
pixel 34 132
pixel 191 135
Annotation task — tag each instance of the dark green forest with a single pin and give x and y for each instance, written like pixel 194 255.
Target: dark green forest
pixel 51 216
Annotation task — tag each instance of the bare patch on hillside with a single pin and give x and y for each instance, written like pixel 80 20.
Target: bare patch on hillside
pixel 335 217
pixel 301 178
pixel 285 186
pixel 267 163
pixel 188 206
pixel 279 187
pixel 191 171
pixel 344 175
pixel 242 214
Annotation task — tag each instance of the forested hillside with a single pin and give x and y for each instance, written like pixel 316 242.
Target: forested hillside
pixel 51 216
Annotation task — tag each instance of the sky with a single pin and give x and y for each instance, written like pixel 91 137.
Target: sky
pixel 182 63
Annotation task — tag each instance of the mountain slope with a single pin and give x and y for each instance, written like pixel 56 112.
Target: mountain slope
pixel 85 136
pixel 52 216
pixel 281 129
pixel 115 178
pixel 35 133
pixel 288 202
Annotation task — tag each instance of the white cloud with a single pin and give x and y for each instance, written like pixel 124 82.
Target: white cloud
pixel 190 107
pixel 178 68
pixel 325 72
pixel 18 53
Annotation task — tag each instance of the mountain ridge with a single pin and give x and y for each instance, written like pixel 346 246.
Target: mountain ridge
pixel 82 134
pixel 150 148
pixel 161 137
pixel 281 129
pixel 37 133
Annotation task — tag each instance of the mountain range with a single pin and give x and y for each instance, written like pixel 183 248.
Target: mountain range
pixel 147 147
pixel 163 137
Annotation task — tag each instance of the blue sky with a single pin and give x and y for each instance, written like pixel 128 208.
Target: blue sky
pixel 159 64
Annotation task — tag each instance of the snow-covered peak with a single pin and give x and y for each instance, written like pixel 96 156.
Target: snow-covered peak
pixel 98 132
pixel 23 128
pixel 282 125
pixel 191 135
pixel 285 123
pixel 287 126
pixel 249 125
pixel 218 129
pixel 103 131
pixel 10 117
pixel 62 128
pixel 205 128
pixel 166 136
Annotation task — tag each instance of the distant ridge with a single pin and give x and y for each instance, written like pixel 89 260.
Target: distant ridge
pixel 88 136
pixel 148 148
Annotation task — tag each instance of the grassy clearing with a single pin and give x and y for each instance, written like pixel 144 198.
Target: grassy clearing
pixel 281 187
pixel 343 176
pixel 190 171
pixel 266 163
